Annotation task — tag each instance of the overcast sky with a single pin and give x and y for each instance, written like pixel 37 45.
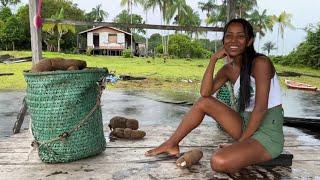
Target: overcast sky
pixel 304 12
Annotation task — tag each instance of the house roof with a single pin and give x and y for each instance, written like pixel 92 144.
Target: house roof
pixel 92 29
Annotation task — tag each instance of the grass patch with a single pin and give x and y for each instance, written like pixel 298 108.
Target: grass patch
pixel 169 75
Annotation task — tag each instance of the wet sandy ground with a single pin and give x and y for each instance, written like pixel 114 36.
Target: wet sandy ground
pixel 122 158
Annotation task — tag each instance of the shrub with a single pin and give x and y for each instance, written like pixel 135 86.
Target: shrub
pixel 89 51
pixel 127 53
pixel 182 46
pixel 159 49
pixel 306 54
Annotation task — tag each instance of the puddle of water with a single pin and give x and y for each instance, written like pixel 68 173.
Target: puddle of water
pixel 10 104
pixel 144 106
pixel 137 104
pixel 297 103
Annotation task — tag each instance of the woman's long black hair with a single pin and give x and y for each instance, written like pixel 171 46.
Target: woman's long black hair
pixel 247 58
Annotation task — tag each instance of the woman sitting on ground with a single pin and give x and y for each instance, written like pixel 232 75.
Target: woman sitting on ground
pixel 257 126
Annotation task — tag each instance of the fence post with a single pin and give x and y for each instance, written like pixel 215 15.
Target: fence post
pixel 36 41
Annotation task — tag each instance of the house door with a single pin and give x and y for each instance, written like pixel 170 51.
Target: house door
pixel 96 40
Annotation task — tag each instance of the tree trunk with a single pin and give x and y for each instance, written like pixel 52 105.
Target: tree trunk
pixel 128 4
pixel 259 37
pixel 146 49
pixel 231 9
pixel 283 45
pixel 47 44
pixel 13 46
pixel 165 38
pixel 278 40
pixel 59 39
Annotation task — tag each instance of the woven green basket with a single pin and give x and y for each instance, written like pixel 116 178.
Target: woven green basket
pixel 66 114
pixel 223 95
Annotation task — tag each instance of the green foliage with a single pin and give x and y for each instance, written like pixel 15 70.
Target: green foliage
pixel 139 38
pixel 268 46
pixel 307 53
pixel 23 18
pixel 159 49
pixel 188 17
pixel 217 13
pixel 49 9
pixel 182 46
pixel 6 3
pixel 71 10
pixel 127 53
pixel 89 51
pixel 261 22
pixel 61 35
pixel 5 13
pixel 154 41
pixel 57 30
pixel 96 14
pixel 160 75
pixel 210 45
pixel 198 51
pixel 124 17
pixel 11 32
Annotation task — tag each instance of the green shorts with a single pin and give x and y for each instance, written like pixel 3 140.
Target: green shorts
pixel 270 132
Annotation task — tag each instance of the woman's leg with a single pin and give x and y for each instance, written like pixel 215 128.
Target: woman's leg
pixel 224 115
pixel 239 155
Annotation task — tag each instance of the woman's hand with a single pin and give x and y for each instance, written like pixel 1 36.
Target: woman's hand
pixel 221 53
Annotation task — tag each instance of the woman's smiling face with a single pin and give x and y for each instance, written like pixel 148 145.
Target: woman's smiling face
pixel 235 39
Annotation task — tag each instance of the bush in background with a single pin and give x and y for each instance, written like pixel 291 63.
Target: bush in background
pixel 127 53
pixel 182 46
pixel 306 54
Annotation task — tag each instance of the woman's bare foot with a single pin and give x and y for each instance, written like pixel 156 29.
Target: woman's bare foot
pixel 172 150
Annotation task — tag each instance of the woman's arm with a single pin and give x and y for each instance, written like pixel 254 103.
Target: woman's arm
pixel 262 72
pixel 209 84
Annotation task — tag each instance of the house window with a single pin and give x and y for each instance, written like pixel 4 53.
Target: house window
pixel 112 38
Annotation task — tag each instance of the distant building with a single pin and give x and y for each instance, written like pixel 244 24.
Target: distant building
pixel 104 40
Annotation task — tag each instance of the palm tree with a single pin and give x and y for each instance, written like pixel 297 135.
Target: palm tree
pixel 99 14
pixel 219 13
pixel 163 6
pixel 129 10
pixel 261 23
pixel 178 7
pixel 189 18
pixel 129 2
pixel 144 4
pixel 58 28
pixel 283 21
pixel 268 46
pixel 216 14
pixel 208 6
pixel 126 2
pixel 244 6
